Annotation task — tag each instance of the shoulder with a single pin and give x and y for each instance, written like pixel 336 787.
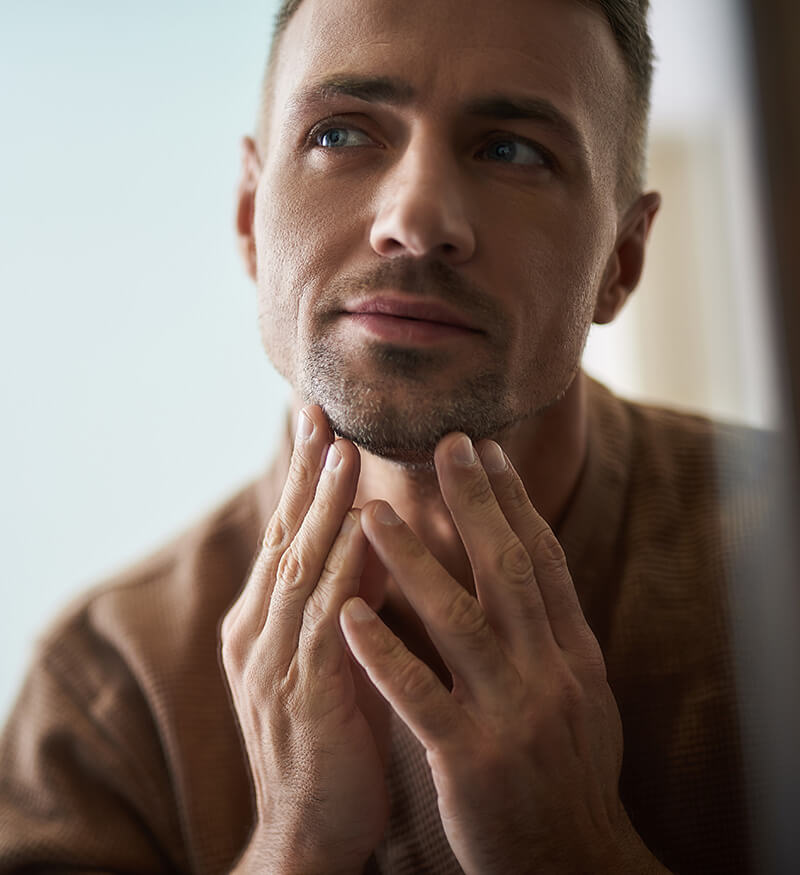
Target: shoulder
pixel 160 608
pixel 692 492
pixel 688 451
pixel 126 702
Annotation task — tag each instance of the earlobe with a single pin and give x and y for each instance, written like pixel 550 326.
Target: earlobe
pixel 245 205
pixel 625 265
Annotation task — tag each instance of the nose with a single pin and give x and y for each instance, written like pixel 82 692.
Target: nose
pixel 421 208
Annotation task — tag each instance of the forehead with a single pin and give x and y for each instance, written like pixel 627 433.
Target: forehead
pixel 451 50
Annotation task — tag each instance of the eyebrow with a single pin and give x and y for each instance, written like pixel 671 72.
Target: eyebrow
pixel 395 92
pixel 373 89
pixel 535 109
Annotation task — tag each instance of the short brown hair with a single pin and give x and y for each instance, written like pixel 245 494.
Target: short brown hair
pixel 628 22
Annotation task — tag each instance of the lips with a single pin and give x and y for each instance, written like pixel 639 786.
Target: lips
pixel 411 309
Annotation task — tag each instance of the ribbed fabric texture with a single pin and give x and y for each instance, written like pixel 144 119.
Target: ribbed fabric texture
pixel 122 753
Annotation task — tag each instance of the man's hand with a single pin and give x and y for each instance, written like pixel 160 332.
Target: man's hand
pixel 526 749
pixel 301 701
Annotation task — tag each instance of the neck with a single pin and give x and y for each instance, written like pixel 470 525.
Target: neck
pixel 547 450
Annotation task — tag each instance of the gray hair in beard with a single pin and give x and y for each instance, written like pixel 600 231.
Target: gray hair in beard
pixel 362 412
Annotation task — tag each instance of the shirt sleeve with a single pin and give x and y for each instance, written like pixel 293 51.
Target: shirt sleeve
pixel 74 795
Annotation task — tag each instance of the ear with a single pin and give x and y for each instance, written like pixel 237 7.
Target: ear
pixel 624 268
pixel 245 205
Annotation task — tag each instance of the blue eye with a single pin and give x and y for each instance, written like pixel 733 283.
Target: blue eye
pixel 515 152
pixel 338 138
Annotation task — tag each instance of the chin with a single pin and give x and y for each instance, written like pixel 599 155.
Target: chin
pixel 405 424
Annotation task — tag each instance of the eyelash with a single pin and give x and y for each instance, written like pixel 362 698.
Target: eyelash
pixel 329 124
pixel 548 159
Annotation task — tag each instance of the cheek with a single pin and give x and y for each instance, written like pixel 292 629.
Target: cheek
pixel 552 280
pixel 279 249
pixel 285 239
pixel 303 236
pixel 280 233
pixel 552 274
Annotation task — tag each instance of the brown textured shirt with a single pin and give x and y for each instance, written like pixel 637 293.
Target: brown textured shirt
pixel 122 752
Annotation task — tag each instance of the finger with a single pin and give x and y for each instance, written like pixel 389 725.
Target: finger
pixel 455 621
pixel 503 569
pixel 312 439
pixel 411 688
pixel 568 624
pixel 321 648
pixel 302 563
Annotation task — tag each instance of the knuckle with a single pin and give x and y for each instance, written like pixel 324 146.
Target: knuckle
pixel 333 562
pixel 254 676
pixel 233 644
pixel 231 654
pixel 414 549
pixel 321 654
pixel 290 570
pixel 314 612
pixel 334 572
pixel 573 700
pixel 549 551
pixel 277 534
pixel 414 683
pixel 315 522
pixel 567 692
pixel 303 471
pixel 466 617
pixel 514 562
pixel 477 491
pixel 517 498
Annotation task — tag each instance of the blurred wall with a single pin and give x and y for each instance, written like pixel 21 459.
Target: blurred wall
pixel 696 334
pixel 134 390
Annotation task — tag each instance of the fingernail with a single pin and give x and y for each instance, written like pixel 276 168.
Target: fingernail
pixel 305 426
pixel 385 515
pixel 493 458
pixel 359 611
pixel 462 451
pixel 333 458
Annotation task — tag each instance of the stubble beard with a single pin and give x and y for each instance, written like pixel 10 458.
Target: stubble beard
pixel 393 401
pixel 397 413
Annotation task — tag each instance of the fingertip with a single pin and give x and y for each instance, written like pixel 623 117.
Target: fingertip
pixel 342 457
pixel 304 428
pixel 317 417
pixel 492 457
pixel 356 610
pixel 349 450
pixel 384 514
pixel 456 448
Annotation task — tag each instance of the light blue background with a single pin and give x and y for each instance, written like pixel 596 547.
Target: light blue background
pixel 133 387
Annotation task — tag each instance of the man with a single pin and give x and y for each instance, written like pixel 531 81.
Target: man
pixel 440 200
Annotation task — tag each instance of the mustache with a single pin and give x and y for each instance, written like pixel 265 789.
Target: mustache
pixel 428 279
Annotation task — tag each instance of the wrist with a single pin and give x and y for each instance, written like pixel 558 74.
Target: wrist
pixel 265 856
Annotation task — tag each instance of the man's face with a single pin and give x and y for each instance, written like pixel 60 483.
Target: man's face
pixel 436 211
